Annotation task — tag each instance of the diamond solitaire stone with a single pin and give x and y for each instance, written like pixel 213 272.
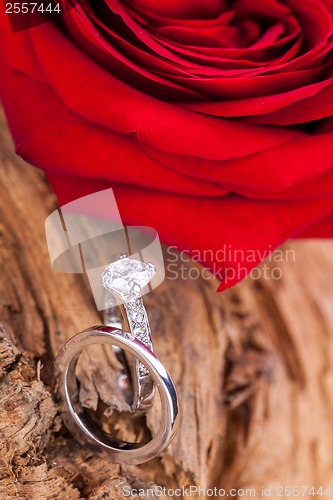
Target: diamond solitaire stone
pixel 127 277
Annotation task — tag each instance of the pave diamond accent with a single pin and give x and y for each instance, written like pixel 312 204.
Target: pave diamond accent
pixel 138 317
pixel 139 326
pixel 127 277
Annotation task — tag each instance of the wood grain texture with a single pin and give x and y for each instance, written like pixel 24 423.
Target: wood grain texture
pixel 253 366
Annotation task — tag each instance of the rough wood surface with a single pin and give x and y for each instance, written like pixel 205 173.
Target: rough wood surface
pixel 253 367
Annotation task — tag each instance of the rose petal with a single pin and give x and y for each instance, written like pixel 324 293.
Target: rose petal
pixel 173 130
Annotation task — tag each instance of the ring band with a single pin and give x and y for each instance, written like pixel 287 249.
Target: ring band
pixel 132 317
pixel 84 428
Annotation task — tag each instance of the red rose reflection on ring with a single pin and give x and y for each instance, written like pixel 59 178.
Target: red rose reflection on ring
pixel 212 120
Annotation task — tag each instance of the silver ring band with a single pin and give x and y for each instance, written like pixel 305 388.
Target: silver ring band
pixel 84 428
pixel 131 316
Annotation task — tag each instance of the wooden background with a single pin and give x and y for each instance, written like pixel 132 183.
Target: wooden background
pixel 253 367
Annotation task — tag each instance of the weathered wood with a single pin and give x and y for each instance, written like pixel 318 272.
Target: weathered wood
pixel 253 367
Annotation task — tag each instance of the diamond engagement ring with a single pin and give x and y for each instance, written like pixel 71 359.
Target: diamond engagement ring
pixel 127 331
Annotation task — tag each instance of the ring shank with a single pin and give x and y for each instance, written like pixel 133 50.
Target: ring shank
pixel 125 317
pixel 84 428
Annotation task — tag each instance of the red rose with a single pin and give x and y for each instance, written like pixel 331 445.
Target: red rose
pixel 212 120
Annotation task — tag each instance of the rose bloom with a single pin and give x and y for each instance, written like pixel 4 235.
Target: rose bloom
pixel 210 119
